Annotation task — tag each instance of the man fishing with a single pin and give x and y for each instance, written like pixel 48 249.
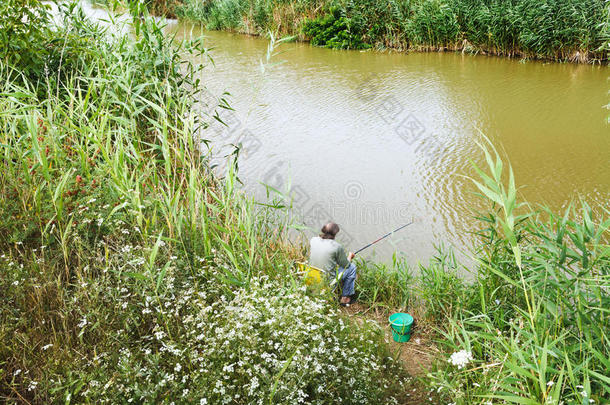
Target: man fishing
pixel 327 254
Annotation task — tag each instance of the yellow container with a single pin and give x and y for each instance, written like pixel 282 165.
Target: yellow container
pixel 311 275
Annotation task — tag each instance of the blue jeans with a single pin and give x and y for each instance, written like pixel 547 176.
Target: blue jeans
pixel 348 278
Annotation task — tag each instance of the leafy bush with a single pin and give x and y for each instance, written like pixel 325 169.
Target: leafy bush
pixel 24 32
pixel 37 49
pixel 334 30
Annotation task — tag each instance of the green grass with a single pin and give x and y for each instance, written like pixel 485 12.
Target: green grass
pixel 574 30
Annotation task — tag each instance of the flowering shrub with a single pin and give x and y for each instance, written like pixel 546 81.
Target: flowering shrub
pixel 266 345
pixel 293 348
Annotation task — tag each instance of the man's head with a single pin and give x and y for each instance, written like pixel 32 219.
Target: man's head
pixel 329 231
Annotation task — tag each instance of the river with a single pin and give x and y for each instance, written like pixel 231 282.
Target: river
pixel 373 140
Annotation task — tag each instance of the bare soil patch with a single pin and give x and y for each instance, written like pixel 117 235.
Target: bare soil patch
pixel 415 356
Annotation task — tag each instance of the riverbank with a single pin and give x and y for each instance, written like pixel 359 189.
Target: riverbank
pixel 131 273
pixel 575 31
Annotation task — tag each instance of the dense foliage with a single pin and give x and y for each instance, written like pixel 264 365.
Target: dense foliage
pixel 41 54
pixel 576 30
pixel 334 31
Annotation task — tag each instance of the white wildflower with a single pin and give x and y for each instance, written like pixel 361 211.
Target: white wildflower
pixel 461 358
pixel 45 347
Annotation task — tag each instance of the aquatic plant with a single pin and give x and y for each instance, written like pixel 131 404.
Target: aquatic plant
pixel 334 31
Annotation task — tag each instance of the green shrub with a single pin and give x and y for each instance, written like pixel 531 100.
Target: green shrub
pixel 39 51
pixel 24 32
pixel 334 30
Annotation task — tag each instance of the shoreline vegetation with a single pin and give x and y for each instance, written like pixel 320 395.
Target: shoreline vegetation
pixel 131 273
pixel 566 31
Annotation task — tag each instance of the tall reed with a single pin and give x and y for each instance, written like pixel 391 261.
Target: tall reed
pixel 536 321
pixel 574 30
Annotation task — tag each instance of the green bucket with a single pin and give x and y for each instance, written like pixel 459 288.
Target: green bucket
pixel 401 326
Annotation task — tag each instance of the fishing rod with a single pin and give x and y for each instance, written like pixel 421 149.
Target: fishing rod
pixel 383 237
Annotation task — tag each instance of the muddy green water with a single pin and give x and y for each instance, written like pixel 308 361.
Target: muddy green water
pixel 372 140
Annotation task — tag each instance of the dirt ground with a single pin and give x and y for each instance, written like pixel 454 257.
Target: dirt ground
pixel 416 355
